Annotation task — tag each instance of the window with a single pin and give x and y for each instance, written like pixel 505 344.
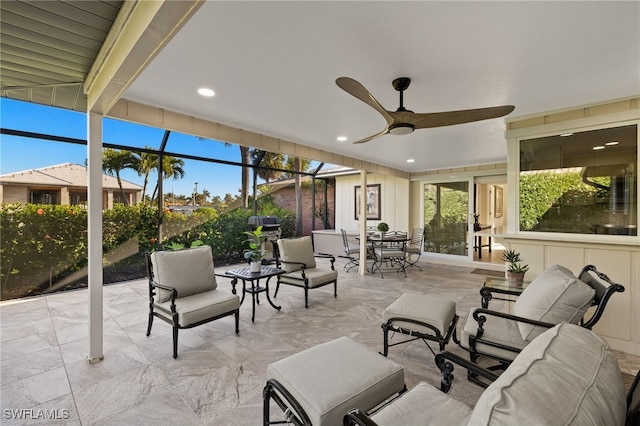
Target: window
pixel 45 196
pixel 78 198
pixel 583 182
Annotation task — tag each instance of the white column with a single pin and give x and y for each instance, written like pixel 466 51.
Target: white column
pixel 94 198
pixel 362 268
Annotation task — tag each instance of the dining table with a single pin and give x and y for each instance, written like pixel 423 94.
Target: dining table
pixel 388 249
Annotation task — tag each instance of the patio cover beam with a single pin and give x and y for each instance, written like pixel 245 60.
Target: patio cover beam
pixel 141 29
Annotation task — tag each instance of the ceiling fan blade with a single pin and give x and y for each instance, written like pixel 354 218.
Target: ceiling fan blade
pixel 377 135
pixel 356 89
pixel 450 118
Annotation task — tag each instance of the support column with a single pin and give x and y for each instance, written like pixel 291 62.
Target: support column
pixel 362 268
pixel 94 199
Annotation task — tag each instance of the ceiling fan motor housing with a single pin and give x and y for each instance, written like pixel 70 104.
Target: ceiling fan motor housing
pixel 399 129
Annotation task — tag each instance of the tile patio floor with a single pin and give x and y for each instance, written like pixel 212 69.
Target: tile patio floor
pixel 218 376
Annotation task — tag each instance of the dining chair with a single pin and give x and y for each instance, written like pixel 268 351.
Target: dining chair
pixel 352 252
pixel 389 250
pixel 414 248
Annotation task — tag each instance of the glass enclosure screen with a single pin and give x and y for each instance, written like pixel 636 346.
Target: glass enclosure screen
pixel 445 217
pixel 583 183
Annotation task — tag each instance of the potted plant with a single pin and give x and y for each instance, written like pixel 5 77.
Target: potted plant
pixel 383 227
pixel 515 269
pixel 256 252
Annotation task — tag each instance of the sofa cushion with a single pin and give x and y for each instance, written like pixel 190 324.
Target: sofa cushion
pixel 423 405
pixel 554 296
pixel 189 271
pixel 296 250
pixel 566 376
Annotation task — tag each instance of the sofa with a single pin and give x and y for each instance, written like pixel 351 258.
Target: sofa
pixel 565 376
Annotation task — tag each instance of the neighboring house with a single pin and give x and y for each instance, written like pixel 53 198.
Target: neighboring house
pixel 284 196
pixel 64 184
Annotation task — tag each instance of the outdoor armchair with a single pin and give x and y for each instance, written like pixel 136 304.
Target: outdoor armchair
pixel 554 296
pixel 296 257
pixel 567 376
pixel 184 293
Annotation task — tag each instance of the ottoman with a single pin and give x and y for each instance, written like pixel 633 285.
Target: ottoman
pixel 420 316
pixel 319 385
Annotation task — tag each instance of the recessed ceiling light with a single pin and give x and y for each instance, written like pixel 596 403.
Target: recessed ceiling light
pixel 203 91
pixel 411 160
pixel 564 135
pixel 341 138
pixel 598 148
pixel 612 143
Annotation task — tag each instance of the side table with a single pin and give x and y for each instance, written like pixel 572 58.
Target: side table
pixel 254 278
pixel 499 286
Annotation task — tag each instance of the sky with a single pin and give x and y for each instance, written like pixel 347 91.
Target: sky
pixel 19 153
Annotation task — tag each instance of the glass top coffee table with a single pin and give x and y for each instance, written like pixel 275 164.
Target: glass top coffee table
pixel 493 285
pixel 254 278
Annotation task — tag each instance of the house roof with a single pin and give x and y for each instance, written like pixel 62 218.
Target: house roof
pixel 67 174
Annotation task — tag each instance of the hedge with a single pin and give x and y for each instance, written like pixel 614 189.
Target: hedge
pixel 43 245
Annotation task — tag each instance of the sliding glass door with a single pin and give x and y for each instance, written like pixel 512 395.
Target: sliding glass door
pixel 446 210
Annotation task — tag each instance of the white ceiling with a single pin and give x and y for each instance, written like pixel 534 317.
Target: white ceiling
pixel 273 67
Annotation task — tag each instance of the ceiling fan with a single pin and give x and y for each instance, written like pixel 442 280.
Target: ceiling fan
pixel 403 121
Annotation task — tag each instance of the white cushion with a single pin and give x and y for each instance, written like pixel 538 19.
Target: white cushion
pixel 315 277
pixel 329 379
pixel 497 330
pixel 424 405
pixel 296 250
pixel 566 376
pixel 431 310
pixel 189 271
pixel 554 296
pixel 201 306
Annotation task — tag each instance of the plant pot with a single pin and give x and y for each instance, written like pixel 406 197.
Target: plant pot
pixel 255 266
pixel 515 279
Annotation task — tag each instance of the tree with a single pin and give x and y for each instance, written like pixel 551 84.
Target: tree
pixel 114 161
pixel 205 196
pixel 270 159
pixel 245 158
pixel 172 167
pixel 297 166
pixel 148 163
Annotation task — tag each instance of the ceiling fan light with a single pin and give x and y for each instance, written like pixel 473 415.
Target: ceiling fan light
pixel 401 129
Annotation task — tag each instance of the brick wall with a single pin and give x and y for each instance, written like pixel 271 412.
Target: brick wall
pixel 286 198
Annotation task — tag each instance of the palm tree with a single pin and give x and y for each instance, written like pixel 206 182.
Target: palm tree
pixel 244 190
pixel 114 161
pixel 172 167
pixel 245 158
pixel 205 195
pixel 148 163
pixel 270 159
pixel 297 166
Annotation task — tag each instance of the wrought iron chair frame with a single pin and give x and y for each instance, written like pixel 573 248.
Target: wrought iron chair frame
pixel 417 241
pixel 174 321
pixel 349 251
pixel 392 253
pixel 602 296
pixel 415 335
pixel 303 281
